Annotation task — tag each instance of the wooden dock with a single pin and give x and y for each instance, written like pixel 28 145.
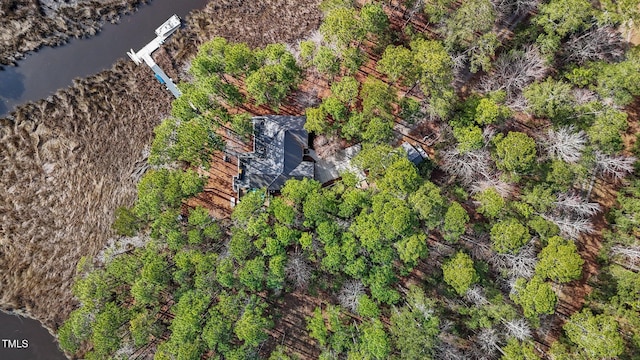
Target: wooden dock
pixel 144 55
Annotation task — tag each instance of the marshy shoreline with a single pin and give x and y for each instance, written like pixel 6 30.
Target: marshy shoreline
pixel 27 25
pixel 68 161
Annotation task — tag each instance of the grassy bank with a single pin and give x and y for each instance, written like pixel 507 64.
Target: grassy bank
pixel 27 25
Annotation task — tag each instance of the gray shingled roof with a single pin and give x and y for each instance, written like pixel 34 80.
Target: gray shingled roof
pixel 280 142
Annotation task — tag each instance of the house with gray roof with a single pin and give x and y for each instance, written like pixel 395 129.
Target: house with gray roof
pixel 280 152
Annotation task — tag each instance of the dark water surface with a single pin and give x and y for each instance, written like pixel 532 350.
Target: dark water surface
pixel 14 330
pixel 40 74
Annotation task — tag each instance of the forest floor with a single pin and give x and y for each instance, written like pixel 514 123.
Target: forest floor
pixel 289 329
pixel 66 163
pixel 572 296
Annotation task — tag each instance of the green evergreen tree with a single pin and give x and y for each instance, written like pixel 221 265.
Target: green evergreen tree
pixel 597 336
pixel 535 296
pixel 459 273
pixel 509 235
pixel 560 261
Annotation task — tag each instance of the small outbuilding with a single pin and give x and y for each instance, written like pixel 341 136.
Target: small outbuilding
pixel 415 154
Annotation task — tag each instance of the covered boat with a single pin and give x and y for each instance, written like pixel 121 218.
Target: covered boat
pixel 168 27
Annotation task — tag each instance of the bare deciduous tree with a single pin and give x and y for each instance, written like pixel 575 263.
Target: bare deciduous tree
pixel 518 328
pixel 573 203
pixel 126 350
pixel 481 246
pixel 583 96
pixel 294 49
pixel 298 271
pixel 488 340
pixel 513 71
pixel 597 43
pixel 503 188
pixel 460 62
pixel 630 253
pixel 616 167
pixel 469 166
pixel 565 143
pixel 446 326
pixel 475 295
pixel 572 214
pixel 488 133
pixel 349 294
pixel 411 11
pixel 611 166
pixel 447 351
pixel 510 285
pixel 514 7
pixel 344 223
pixel 308 98
pixel 316 37
pixel 522 264
pixel 570 227
pixel 326 146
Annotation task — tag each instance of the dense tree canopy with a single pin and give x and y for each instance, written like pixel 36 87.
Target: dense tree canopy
pixel 278 75
pixel 561 17
pixel 524 135
pixel 515 350
pixel 164 188
pixel 472 18
pixel 414 326
pixel 429 204
pixel 341 26
pixel 397 63
pixel 435 74
pixel 552 99
pixel 509 235
pixel 535 296
pixel 491 203
pixel 455 222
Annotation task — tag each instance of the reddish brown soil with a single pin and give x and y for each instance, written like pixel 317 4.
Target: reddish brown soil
pixel 218 195
pixel 572 296
pixel 290 327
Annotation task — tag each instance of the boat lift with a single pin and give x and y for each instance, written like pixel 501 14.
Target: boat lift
pixel 144 55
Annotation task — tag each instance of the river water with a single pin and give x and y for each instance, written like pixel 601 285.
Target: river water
pixel 42 73
pixel 14 330
pixel 39 75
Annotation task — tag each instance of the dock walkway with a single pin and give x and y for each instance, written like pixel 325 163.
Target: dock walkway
pixel 144 55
